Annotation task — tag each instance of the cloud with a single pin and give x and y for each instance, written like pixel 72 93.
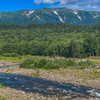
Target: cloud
pixel 73 4
pixel 45 1
pixel 65 2
pixel 62 2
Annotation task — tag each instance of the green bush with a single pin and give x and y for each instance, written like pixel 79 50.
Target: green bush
pixel 42 63
pixel 54 64
pixel 86 64
pixel 9 54
pixel 71 63
pixel 28 63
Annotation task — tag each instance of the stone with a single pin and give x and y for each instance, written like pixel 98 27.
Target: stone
pixel 16 78
pixel 50 89
pixel 60 83
pixel 92 95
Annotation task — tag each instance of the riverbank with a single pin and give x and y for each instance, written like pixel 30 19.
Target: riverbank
pixel 73 76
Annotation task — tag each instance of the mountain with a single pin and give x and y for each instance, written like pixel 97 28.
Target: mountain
pixel 48 15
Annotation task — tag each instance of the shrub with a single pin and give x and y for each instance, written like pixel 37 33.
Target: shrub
pixel 71 63
pixel 42 63
pixel 52 65
pixel 28 63
pixel 86 64
pixel 9 54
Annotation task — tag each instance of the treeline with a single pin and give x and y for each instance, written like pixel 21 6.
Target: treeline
pixel 50 40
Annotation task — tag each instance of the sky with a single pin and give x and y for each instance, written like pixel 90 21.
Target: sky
pixel 15 5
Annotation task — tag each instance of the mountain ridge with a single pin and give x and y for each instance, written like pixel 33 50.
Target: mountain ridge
pixel 50 15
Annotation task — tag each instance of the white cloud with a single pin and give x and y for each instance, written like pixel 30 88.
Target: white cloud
pixel 62 2
pixel 45 1
pixel 73 4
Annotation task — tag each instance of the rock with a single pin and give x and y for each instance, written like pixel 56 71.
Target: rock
pixel 60 83
pixel 23 92
pixel 50 89
pixel 92 95
pixel 16 78
pixel 38 89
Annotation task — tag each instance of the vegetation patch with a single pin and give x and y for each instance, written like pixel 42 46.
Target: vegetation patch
pixel 10 55
pixel 43 63
pixel 18 59
pixel 2 98
pixel 2 86
pixel 86 64
pixel 35 74
pixel 8 70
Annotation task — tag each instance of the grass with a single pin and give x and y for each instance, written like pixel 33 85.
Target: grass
pixel 2 86
pixel 35 74
pixel 18 59
pixel 8 70
pixel 79 73
pixel 94 57
pixel 2 98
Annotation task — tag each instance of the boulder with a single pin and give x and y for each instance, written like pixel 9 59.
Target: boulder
pixel 92 95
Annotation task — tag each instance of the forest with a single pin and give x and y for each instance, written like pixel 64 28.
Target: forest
pixel 58 39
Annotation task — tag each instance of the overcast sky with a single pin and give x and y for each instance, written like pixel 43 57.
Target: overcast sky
pixel 15 5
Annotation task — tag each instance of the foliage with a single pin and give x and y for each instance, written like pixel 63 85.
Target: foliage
pixel 86 64
pixel 71 63
pixel 12 58
pixel 58 39
pixel 44 63
pixel 96 74
pixel 9 54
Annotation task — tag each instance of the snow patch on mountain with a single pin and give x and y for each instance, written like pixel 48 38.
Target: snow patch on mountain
pixel 55 12
pixel 38 17
pixel 29 13
pixel 95 16
pixel 79 17
pixel 58 15
pixel 75 12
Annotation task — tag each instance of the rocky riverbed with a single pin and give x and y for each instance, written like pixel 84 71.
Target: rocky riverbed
pixel 62 76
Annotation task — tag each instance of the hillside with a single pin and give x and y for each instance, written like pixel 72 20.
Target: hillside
pixel 58 39
pixel 48 15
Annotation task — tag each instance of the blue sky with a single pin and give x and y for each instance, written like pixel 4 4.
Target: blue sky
pixel 15 5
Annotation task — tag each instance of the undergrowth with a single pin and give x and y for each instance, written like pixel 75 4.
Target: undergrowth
pixel 42 63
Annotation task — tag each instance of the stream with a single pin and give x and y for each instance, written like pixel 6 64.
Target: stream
pixel 43 86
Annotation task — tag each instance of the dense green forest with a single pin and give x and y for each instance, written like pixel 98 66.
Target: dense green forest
pixel 58 39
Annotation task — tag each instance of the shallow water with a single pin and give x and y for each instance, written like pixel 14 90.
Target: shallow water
pixel 43 86
pixel 9 66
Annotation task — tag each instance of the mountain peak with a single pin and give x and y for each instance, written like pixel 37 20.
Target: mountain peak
pixel 50 15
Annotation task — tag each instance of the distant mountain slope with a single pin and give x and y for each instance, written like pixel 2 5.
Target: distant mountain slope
pixel 91 21
pixel 48 15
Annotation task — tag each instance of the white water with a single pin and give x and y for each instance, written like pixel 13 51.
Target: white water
pixel 97 93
